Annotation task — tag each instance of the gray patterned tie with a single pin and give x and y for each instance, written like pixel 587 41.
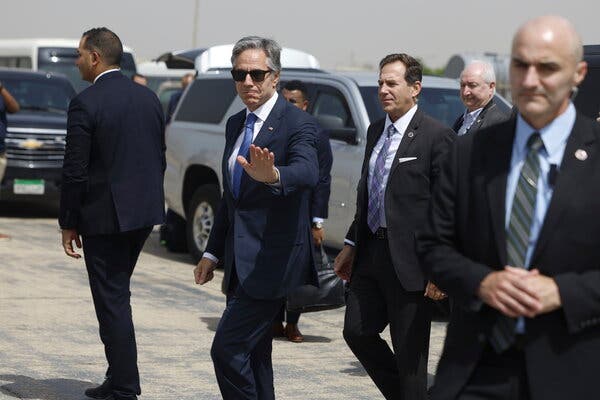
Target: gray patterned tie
pixel 517 234
pixel 376 191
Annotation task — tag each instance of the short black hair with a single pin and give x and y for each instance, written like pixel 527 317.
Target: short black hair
pixel 106 43
pixel 414 69
pixel 297 85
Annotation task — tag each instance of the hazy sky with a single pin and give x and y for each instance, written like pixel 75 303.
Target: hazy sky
pixel 339 33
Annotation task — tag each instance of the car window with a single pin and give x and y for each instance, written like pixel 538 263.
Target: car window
pixel 42 95
pixel 207 100
pixel 330 108
pixel 442 104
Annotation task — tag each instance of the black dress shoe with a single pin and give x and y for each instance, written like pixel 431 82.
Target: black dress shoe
pixel 102 392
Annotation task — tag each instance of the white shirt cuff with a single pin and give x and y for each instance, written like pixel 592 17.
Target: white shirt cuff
pixel 346 241
pixel 210 257
pixel 318 219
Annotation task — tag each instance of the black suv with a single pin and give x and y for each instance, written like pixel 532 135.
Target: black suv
pixel 587 100
pixel 35 140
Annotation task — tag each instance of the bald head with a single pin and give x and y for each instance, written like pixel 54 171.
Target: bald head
pixel 546 64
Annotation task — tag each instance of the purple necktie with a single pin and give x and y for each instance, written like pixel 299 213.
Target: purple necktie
pixel 376 190
pixel 237 168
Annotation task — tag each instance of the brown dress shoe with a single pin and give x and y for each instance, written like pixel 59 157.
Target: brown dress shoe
pixel 278 330
pixel 293 333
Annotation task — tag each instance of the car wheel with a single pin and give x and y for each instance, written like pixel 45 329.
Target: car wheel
pixel 201 213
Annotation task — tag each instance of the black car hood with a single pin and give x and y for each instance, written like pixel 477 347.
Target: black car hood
pixel 37 119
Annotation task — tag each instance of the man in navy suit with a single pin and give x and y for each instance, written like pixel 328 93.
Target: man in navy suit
pixel 112 195
pixel 296 93
pixel 175 97
pixel 262 229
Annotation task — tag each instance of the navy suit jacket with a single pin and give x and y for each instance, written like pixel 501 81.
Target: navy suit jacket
pixel 265 233
pixel 319 202
pixel 490 115
pixel 114 161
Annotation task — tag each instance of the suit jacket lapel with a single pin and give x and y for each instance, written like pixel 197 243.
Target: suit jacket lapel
pixel 410 134
pixel 268 129
pixel 571 177
pixel 235 130
pixel 497 165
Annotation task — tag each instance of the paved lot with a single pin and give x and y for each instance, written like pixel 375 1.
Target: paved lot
pixel 49 345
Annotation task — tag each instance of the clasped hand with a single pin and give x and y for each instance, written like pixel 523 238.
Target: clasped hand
pixel 517 292
pixel 261 167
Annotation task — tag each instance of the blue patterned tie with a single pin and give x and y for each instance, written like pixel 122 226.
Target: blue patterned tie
pixel 517 233
pixel 376 190
pixel 237 168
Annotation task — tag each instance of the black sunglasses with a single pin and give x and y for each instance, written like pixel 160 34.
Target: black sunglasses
pixel 257 75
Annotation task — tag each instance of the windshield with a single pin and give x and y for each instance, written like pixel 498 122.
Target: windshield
pixel 42 95
pixel 62 60
pixel 442 104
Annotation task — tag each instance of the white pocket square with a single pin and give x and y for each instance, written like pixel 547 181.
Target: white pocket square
pixel 405 159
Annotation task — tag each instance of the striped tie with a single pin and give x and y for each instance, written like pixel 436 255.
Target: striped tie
pixel 376 191
pixel 517 234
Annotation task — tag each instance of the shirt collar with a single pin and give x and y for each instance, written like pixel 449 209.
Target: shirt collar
pixel 473 113
pixel 263 111
pixel 401 123
pixel 554 135
pixel 106 72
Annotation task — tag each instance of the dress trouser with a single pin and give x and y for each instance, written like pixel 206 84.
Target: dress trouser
pixel 497 376
pixel 110 260
pixel 242 347
pixel 375 299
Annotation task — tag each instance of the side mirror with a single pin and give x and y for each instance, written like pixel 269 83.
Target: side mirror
pixel 347 135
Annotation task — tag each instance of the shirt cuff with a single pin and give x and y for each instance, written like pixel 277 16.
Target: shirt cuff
pixel 278 183
pixel 210 257
pixel 318 219
pixel 349 242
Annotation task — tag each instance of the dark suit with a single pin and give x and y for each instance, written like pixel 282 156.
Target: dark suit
pixel 264 239
pixel 319 199
pixel 491 114
pixel 387 281
pixel 112 195
pixel 466 240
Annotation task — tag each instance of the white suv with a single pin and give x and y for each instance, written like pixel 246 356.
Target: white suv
pixel 344 104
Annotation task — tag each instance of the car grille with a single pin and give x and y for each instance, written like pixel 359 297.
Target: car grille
pixel 35 148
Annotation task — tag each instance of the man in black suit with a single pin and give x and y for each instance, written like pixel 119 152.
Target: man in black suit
pixel 296 93
pixel 387 285
pixel 262 227
pixel 513 237
pixel 112 195
pixel 477 88
pixel 175 97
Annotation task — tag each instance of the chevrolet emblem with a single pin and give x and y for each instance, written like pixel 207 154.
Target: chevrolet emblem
pixel 30 144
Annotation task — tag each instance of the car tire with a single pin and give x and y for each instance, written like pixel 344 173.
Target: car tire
pixel 201 212
pixel 173 233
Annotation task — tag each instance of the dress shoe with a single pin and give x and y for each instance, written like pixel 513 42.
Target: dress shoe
pixel 278 330
pixel 102 392
pixel 293 333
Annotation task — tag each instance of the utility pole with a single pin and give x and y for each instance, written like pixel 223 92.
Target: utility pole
pixel 195 27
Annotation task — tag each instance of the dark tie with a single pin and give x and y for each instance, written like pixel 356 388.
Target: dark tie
pixel 237 168
pixel 517 234
pixel 376 190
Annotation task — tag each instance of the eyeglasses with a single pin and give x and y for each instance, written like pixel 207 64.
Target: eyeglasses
pixel 257 75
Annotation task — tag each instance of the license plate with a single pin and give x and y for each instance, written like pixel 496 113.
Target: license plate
pixel 28 186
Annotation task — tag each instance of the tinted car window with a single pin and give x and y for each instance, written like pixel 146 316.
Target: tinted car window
pixel 587 100
pixel 442 104
pixel 207 101
pixel 62 60
pixel 37 94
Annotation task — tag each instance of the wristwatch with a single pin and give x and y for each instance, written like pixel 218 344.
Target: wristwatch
pixel 317 225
